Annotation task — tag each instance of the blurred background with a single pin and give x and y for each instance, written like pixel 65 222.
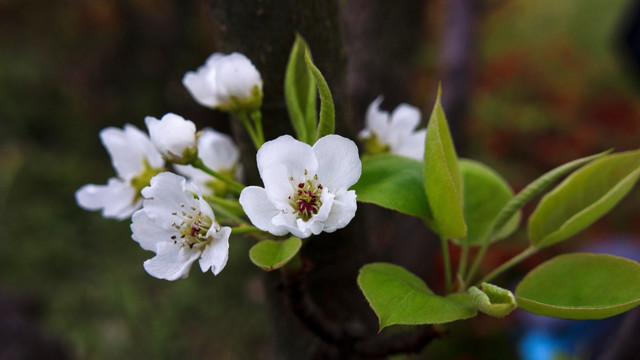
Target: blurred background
pixel 541 83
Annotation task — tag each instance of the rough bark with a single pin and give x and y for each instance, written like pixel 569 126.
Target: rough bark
pixel 264 31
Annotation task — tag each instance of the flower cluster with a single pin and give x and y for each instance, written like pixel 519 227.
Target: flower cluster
pixel 170 181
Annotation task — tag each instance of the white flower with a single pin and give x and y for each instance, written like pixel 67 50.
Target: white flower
pixel 227 82
pixel 305 188
pixel 218 152
pixel 396 133
pixel 135 160
pixel 174 137
pixel 179 226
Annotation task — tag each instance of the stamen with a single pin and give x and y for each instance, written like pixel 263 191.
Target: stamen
pixel 193 227
pixel 306 198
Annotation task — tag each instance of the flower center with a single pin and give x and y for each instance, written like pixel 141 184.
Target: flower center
pixel 193 226
pixel 305 200
pixel 142 180
pixel 374 146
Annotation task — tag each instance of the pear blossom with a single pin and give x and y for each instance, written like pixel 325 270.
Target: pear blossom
pixel 395 133
pixel 174 137
pixel 226 82
pixel 218 152
pixel 179 226
pixel 305 188
pixel 135 160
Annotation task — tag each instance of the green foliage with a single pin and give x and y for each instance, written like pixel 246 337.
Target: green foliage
pixel 327 111
pixel 270 254
pixel 300 92
pixel 394 182
pixel 581 286
pixel 399 297
pixel 536 187
pixel 442 179
pixel 485 195
pixel 583 197
pixel 493 300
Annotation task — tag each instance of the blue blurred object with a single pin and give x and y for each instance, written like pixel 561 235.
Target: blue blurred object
pixel 542 345
pixel 547 338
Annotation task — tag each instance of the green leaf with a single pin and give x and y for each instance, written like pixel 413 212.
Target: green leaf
pixel 394 182
pixel 581 286
pixel 327 110
pixel 300 92
pixel 536 187
pixel 485 194
pixel 442 179
pixel 493 300
pixel 583 197
pixel 399 297
pixel 270 254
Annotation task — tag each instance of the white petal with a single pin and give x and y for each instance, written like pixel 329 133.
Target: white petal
pixel 171 261
pixel 376 121
pixel 278 186
pixel 413 145
pixel 116 199
pixel 216 254
pixel 172 135
pixel 260 210
pixel 197 176
pixel 295 155
pixel 405 118
pixel 343 210
pixel 289 222
pixel 327 199
pixel 166 195
pixel 306 228
pixel 339 165
pixel 200 88
pixel 147 233
pixel 204 206
pixel 236 76
pixel 315 224
pixel 143 146
pixel 217 150
pixel 125 160
pixel 128 149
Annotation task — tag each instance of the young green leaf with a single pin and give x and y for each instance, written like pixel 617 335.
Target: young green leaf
pixel 442 179
pixel 581 286
pixel 399 297
pixel 493 300
pixel 300 92
pixel 583 197
pixel 327 111
pixel 270 254
pixel 485 194
pixel 536 187
pixel 394 182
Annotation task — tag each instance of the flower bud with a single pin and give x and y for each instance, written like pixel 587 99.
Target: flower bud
pixel 226 82
pixel 174 137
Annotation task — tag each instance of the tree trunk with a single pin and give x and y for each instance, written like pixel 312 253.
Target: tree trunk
pixel 321 313
pixel 265 31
